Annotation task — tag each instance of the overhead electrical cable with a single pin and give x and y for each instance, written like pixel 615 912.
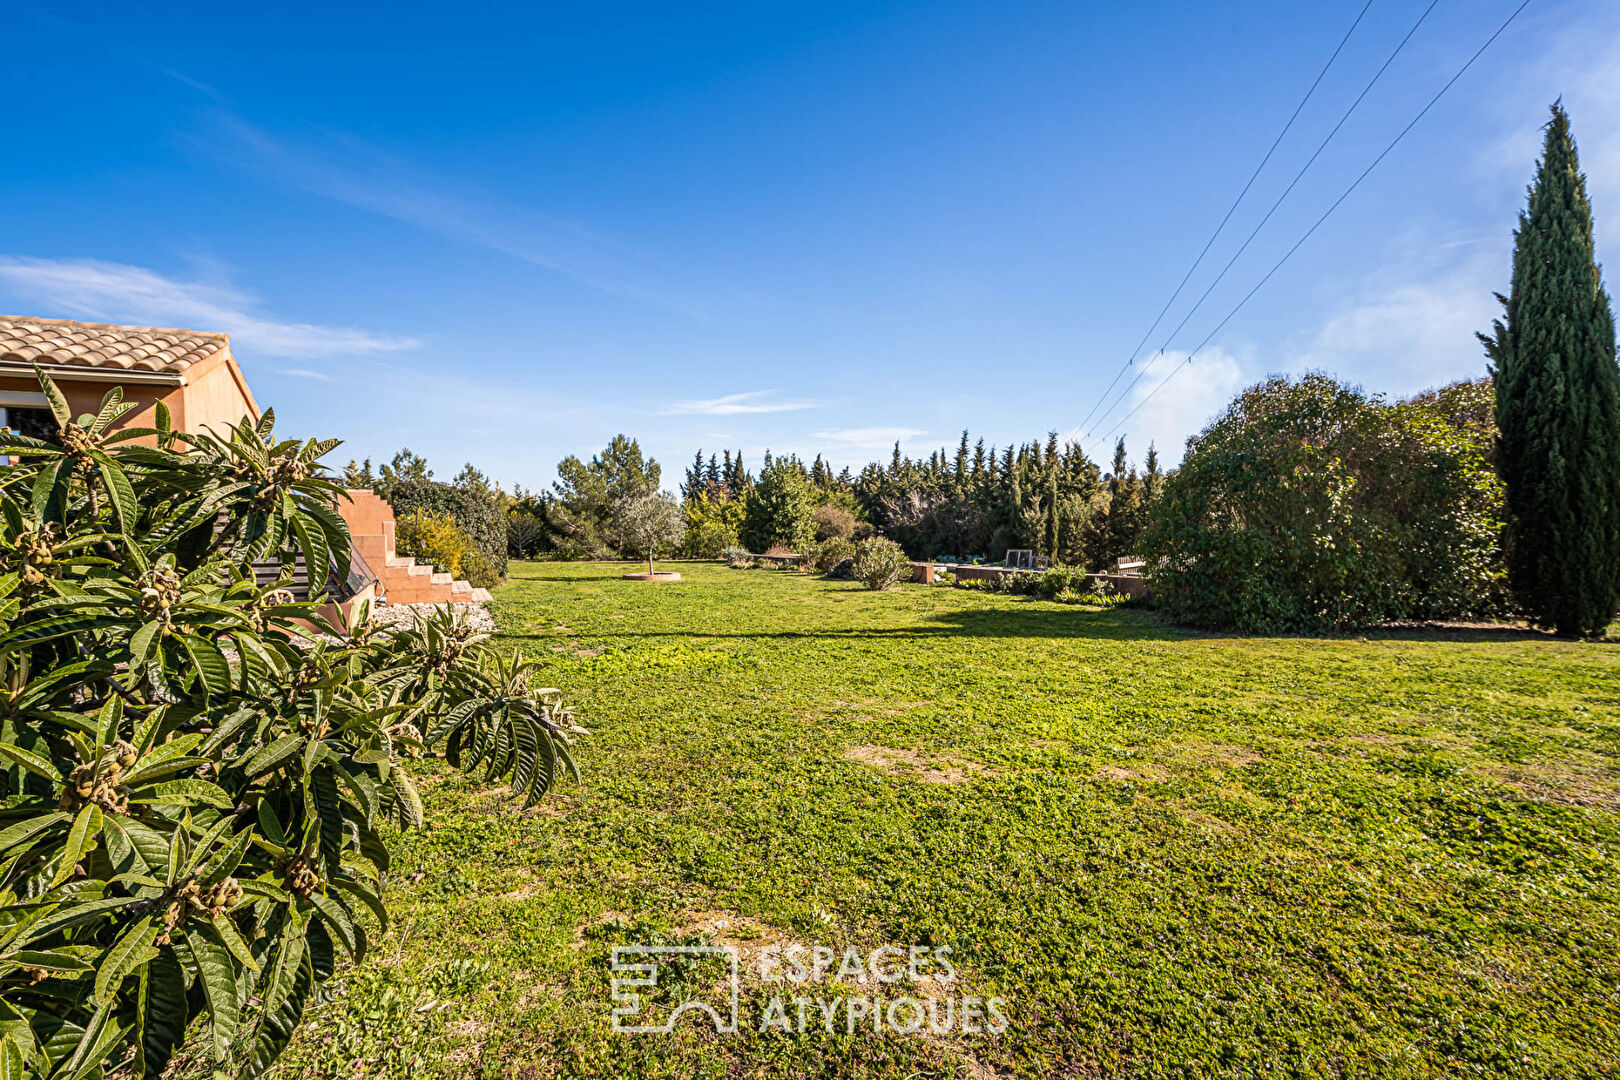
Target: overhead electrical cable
pixel 1229 212
pixel 1317 224
pixel 1379 74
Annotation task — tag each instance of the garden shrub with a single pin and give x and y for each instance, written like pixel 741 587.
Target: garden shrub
pixel 709 540
pixel 195 784
pixel 478 571
pixel 879 563
pixel 738 558
pixel 833 522
pixel 431 537
pixel 829 553
pixel 1061 579
pixel 479 514
pixel 1308 505
pixel 1017 583
pixel 779 507
pixel 712 524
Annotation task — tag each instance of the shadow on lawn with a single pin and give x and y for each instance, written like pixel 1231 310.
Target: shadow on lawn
pixel 1116 625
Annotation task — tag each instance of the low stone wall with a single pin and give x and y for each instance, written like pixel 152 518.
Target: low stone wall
pixel 966 572
pixel 1124 584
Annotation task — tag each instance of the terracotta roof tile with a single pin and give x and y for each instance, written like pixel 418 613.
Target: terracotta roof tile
pixel 86 344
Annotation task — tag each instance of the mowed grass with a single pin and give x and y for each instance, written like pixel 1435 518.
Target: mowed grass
pixel 1172 854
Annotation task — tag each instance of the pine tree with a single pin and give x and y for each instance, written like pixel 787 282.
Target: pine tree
pixel 1049 536
pixel 1152 478
pixel 1558 404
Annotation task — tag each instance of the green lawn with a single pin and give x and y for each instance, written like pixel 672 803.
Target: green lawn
pixel 1172 854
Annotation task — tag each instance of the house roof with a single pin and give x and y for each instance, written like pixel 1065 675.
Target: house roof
pixel 69 343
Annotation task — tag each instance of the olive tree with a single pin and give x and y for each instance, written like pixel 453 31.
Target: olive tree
pixel 648 522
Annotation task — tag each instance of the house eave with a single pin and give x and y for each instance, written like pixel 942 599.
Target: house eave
pixel 81 373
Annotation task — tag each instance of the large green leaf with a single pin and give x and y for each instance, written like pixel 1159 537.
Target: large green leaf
pixel 183 793
pixel 133 948
pixel 276 1026
pixel 215 968
pixel 161 1014
pixel 81 839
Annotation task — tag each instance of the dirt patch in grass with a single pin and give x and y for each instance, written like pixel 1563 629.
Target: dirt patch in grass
pixel 1147 772
pixel 1227 754
pixel 1572 787
pixel 574 650
pixel 929 768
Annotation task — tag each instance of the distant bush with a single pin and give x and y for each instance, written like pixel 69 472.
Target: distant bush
pixel 738 558
pixel 829 553
pixel 1061 579
pixel 431 537
pixel 779 549
pixel 833 522
pixel 879 563
pixel 709 540
pixel 779 507
pixel 478 571
pixel 480 515
pixel 1308 505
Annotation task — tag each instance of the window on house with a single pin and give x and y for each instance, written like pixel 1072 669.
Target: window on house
pixel 35 423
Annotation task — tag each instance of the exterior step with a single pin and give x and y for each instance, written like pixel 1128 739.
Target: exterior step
pixel 403 580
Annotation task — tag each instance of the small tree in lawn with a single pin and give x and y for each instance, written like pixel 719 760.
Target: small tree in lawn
pixel 649 522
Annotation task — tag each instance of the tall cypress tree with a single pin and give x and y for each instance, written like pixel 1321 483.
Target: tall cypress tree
pixel 1558 405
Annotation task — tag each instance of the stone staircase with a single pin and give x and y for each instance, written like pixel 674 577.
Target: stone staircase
pixel 401 579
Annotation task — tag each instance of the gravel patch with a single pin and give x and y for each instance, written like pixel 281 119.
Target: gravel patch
pixel 396 615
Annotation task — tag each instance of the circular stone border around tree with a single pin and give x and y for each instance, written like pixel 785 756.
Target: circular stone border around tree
pixel 661 575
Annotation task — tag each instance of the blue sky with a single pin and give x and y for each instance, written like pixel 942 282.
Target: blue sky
pixel 502 235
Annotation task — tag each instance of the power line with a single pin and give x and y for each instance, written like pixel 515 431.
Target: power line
pixel 1230 211
pixel 1317 224
pixel 1379 74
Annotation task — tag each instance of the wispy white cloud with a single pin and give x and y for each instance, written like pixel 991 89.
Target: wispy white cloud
pixel 116 292
pixel 1411 324
pixel 753 401
pixel 1581 66
pixel 869 438
pixel 1182 406
pixel 304 373
pixel 345 169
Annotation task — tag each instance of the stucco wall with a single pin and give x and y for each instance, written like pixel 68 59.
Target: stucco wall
pixel 213 395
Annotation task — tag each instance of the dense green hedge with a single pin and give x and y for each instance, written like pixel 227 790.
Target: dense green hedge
pixel 1308 505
